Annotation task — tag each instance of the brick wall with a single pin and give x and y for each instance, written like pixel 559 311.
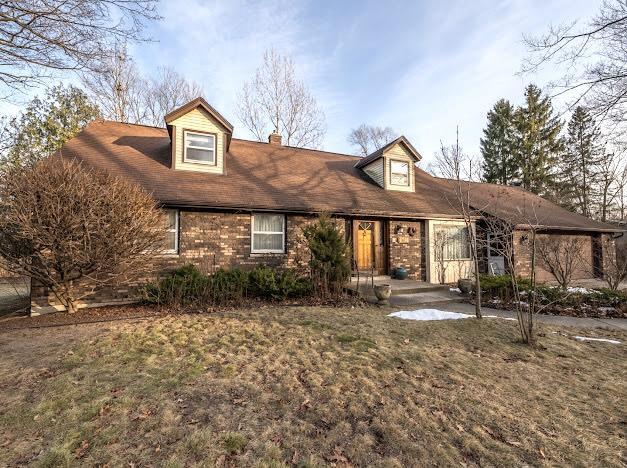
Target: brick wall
pixel 210 241
pixel 522 255
pixel 407 250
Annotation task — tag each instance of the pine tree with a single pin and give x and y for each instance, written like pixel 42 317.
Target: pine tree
pixel 580 162
pixel 47 123
pixel 538 142
pixel 497 145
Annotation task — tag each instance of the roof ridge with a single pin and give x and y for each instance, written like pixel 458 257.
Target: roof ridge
pixel 300 148
pixel 130 123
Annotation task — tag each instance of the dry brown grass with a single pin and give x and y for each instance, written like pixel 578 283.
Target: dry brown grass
pixel 308 387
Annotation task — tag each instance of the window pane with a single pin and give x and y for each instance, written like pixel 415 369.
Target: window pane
pixel 398 179
pixel 195 139
pixel 453 242
pixel 170 219
pixel 399 167
pixel 268 242
pixel 203 155
pixel 268 223
pixel 170 240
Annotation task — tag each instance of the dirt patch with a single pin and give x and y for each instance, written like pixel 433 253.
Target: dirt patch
pixel 307 386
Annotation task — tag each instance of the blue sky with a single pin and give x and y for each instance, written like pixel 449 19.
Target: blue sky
pixel 421 67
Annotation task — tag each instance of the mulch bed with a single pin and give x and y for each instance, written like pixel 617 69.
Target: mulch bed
pixel 100 314
pixel 555 309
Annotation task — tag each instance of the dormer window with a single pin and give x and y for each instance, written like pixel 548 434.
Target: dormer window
pixel 399 173
pixel 200 148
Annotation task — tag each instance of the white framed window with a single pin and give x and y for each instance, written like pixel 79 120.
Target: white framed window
pixel 171 222
pixel 267 233
pixel 399 173
pixel 452 242
pixel 199 148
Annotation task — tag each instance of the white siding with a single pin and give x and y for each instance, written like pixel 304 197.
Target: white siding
pixel 375 171
pixel 399 153
pixel 198 119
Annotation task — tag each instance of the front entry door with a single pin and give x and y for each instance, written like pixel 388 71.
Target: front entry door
pixel 365 245
pixel 369 246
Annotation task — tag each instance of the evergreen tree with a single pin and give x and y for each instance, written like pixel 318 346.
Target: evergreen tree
pixel 497 145
pixel 47 123
pixel 538 142
pixel 580 162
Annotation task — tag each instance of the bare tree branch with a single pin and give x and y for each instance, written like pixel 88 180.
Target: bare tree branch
pixel 275 100
pixel 38 37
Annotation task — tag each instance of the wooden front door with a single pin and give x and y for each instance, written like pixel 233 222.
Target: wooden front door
pixel 365 245
pixel 369 248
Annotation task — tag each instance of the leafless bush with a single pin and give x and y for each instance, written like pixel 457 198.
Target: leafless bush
pixel 61 223
pixel 615 263
pixel 560 256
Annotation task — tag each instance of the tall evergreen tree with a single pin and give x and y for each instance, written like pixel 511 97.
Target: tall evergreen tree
pixel 46 124
pixel 580 162
pixel 538 142
pixel 497 145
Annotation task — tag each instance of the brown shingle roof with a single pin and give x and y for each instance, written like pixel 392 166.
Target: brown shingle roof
pixel 521 207
pixel 269 177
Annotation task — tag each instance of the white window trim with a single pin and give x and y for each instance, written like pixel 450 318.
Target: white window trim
pixel 408 174
pixel 195 161
pixel 253 232
pixel 176 233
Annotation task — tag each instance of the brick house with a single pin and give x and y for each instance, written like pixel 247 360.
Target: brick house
pixel 231 202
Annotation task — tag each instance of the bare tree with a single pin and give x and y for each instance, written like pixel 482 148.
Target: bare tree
pixel 594 59
pixel 440 241
pixel 117 87
pixel 502 228
pixel 451 162
pixel 275 100
pixel 612 179
pixel 614 262
pixel 62 224
pixel 38 37
pixel 166 92
pixel 560 256
pixel 368 138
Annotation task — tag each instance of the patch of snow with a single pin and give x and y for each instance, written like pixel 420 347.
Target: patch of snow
pixel 455 290
pixel 588 338
pixel 428 314
pixel 504 318
pixel 607 309
pixel 578 290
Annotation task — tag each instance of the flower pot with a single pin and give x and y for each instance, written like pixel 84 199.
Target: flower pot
pixel 400 273
pixel 383 292
pixel 465 285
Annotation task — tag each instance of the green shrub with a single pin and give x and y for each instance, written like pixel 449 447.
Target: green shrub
pixel 189 286
pixel 229 285
pixel 186 285
pixel 330 257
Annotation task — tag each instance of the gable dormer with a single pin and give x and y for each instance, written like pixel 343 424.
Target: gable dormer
pixel 393 166
pixel 199 137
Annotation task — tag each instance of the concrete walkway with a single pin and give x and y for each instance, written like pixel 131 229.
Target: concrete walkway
pixel 583 322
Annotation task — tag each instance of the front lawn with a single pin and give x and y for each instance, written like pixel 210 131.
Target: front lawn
pixel 309 387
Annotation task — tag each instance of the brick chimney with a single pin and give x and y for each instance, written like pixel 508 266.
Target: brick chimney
pixel 274 138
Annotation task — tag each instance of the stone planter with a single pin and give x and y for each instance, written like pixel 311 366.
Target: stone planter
pixel 400 273
pixel 465 285
pixel 383 292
